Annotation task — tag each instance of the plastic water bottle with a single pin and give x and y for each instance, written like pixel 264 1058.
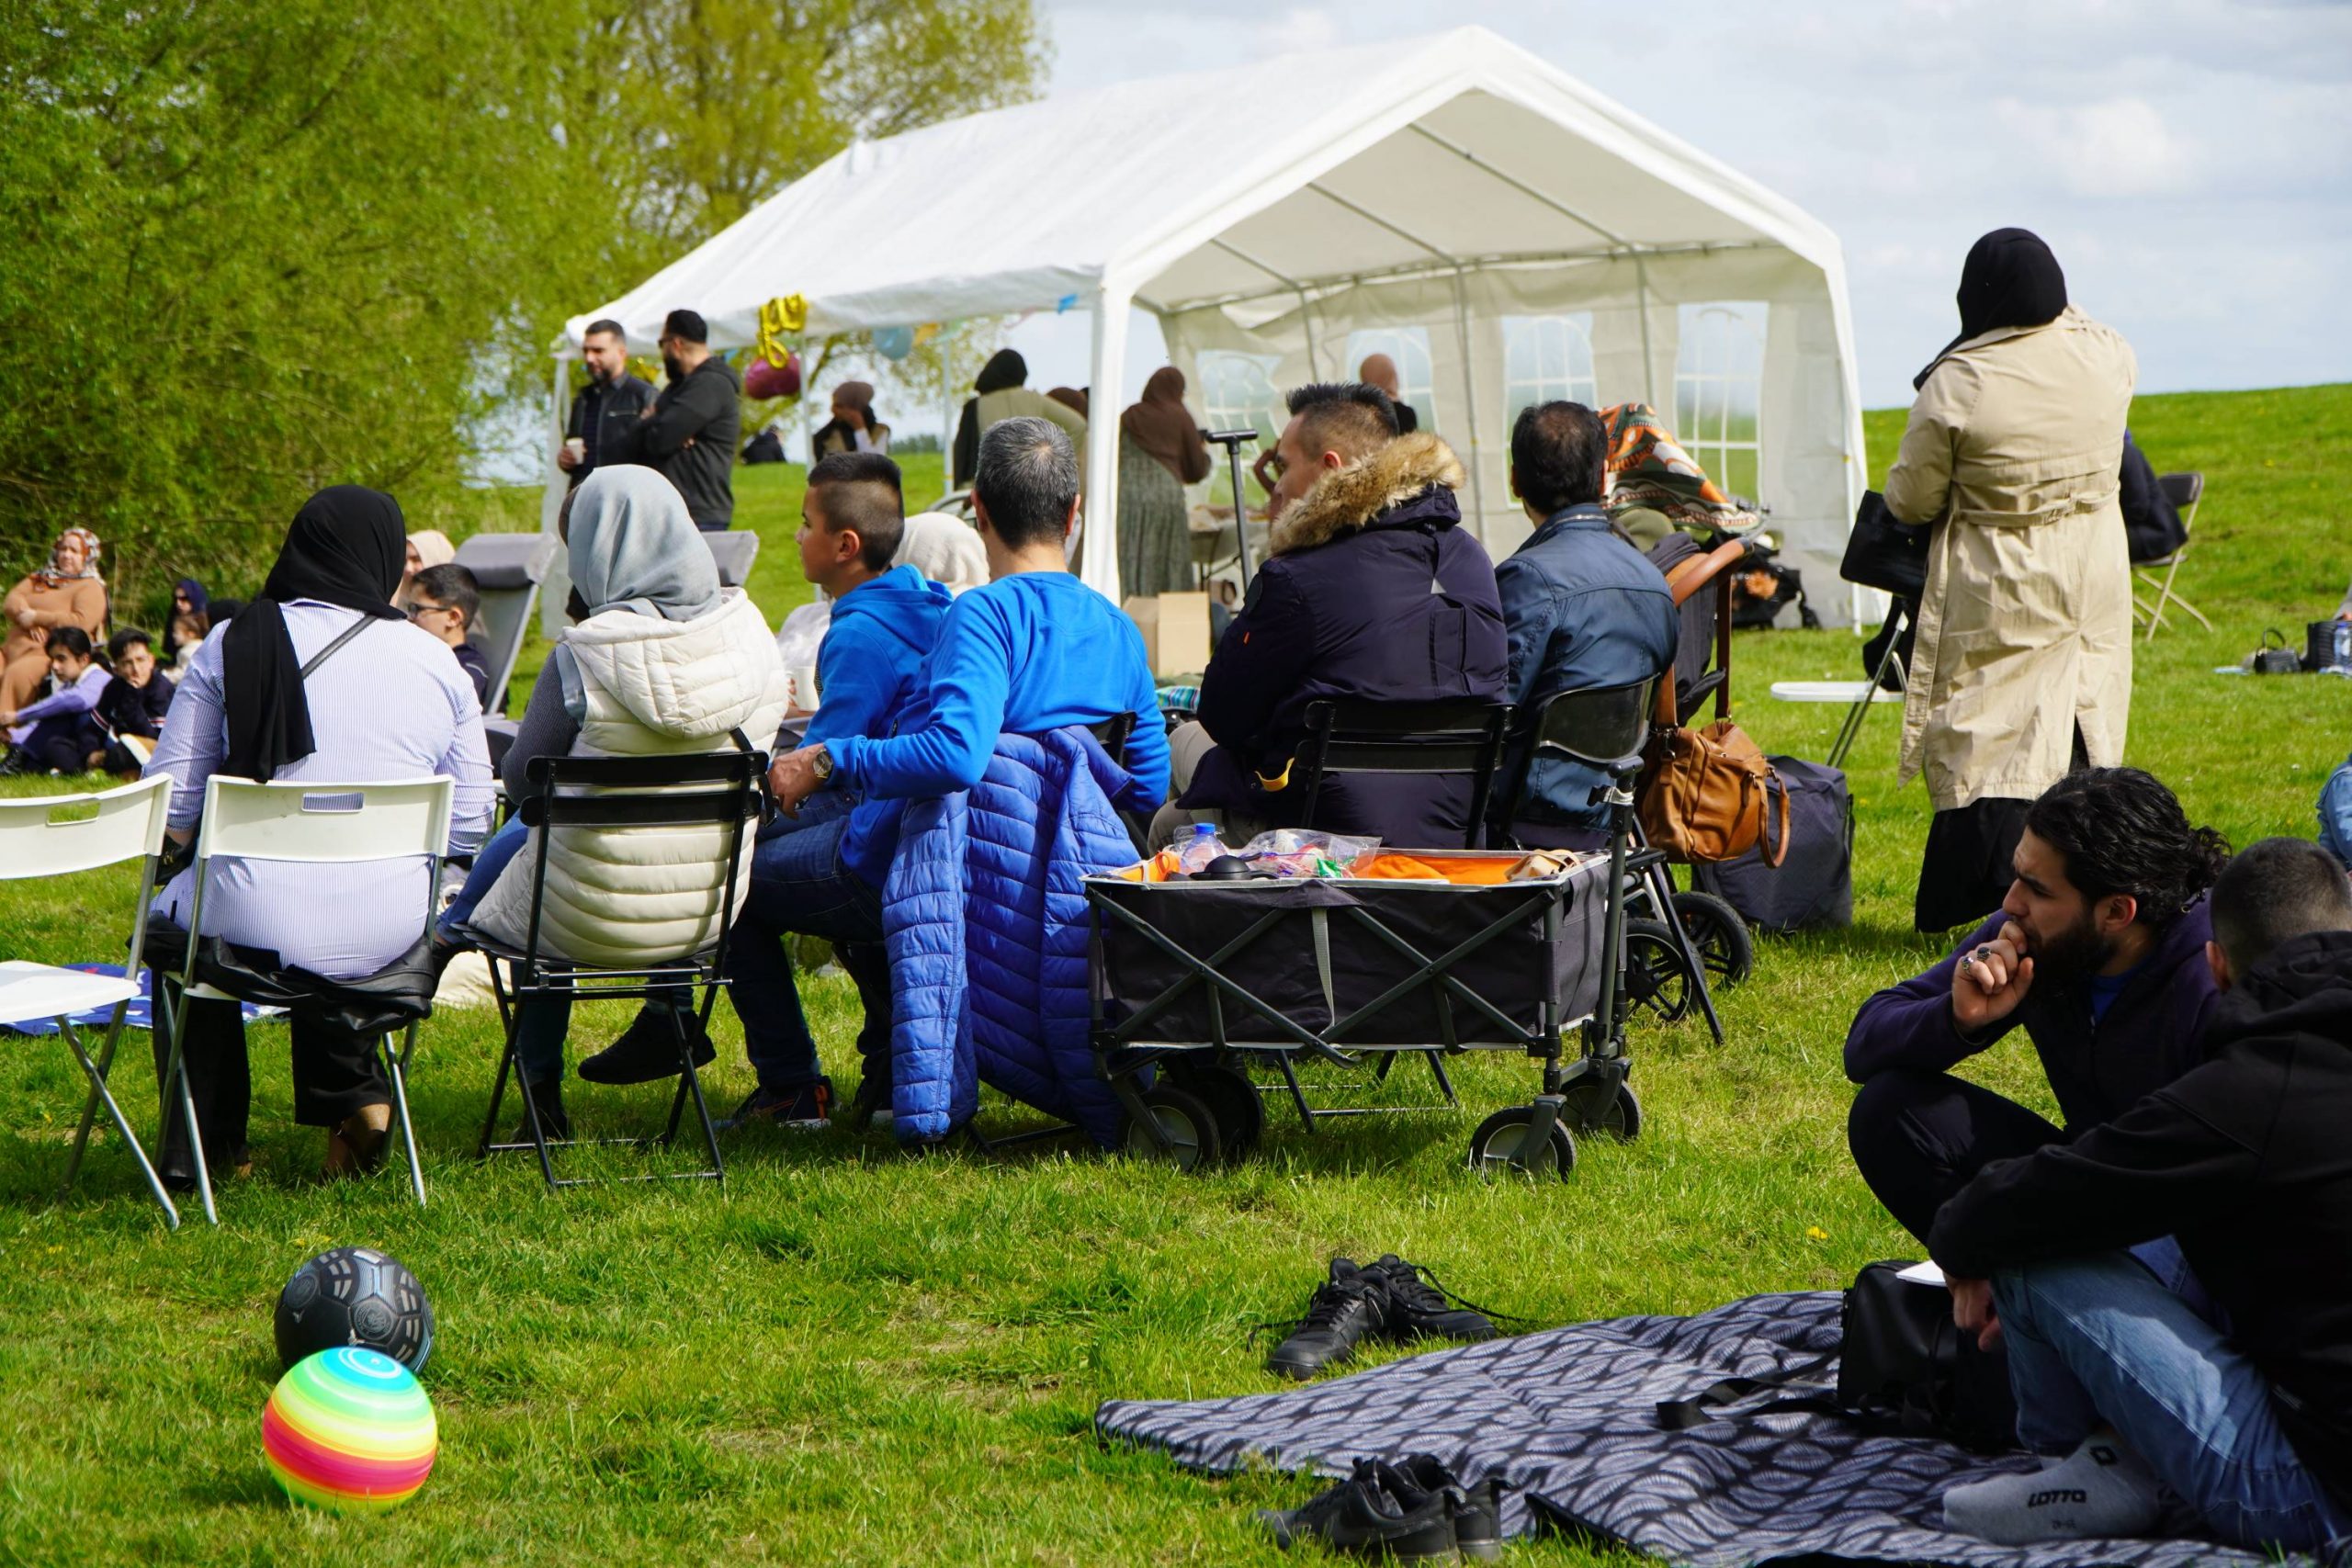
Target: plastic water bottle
pixel 1196 852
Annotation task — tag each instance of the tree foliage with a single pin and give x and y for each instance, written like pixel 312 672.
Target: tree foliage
pixel 259 246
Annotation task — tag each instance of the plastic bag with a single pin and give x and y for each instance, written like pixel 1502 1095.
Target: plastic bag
pixel 1302 852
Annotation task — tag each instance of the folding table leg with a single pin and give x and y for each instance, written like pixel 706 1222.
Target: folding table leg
pixel 395 1065
pixel 97 1072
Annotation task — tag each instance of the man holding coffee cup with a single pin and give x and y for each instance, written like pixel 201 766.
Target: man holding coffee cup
pixel 605 411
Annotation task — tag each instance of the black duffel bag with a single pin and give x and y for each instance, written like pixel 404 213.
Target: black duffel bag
pixel 1905 1369
pixel 1813 889
pixel 1884 554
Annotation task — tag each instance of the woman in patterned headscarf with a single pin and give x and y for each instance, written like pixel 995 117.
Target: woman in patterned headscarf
pixel 1655 489
pixel 68 591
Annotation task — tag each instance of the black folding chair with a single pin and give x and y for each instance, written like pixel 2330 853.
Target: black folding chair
pixel 1452 738
pixel 717 789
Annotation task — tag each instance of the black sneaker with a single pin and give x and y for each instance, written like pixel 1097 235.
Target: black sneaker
pixel 1363 1514
pixel 810 1109
pixel 1477 1510
pixel 648 1051
pixel 1419 1309
pixel 1347 1309
pixel 871 1104
pixel 546 1099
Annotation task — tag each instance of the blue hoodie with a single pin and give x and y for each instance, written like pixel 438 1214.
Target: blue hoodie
pixel 870 665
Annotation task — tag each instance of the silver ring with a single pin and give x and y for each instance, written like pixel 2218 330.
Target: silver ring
pixel 1968 959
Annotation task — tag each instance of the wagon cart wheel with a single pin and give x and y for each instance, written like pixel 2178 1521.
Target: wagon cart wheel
pixel 1622 1122
pixel 1500 1147
pixel 1190 1129
pixel 1231 1098
pixel 1716 929
pixel 1656 976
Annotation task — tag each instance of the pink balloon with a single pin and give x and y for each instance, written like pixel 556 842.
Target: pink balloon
pixel 762 379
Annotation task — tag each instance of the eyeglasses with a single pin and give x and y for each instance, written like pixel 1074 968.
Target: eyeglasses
pixel 415 609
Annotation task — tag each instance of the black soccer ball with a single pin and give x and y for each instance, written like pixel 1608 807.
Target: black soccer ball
pixel 355 1296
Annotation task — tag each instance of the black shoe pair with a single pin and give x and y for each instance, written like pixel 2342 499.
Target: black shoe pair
pixel 647 1050
pixel 1412 1511
pixel 547 1101
pixel 1387 1300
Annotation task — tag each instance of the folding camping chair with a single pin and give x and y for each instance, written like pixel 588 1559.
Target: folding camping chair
pixel 57 836
pixel 733 550
pixel 508 569
pixel 1447 739
pixel 2185 491
pixel 715 789
pixel 308 822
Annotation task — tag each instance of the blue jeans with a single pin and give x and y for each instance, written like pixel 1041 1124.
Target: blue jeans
pixel 541 1023
pixel 2103 1338
pixel 800 885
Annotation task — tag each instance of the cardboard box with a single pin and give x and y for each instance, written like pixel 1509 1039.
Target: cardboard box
pixel 1175 629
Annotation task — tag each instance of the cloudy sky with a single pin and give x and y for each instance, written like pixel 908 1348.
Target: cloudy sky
pixel 2190 161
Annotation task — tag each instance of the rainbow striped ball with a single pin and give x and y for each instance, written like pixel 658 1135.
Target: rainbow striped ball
pixel 349 1430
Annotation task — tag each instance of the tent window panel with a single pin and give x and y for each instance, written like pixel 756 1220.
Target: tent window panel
pixel 1409 347
pixel 1237 392
pixel 1718 391
pixel 1547 359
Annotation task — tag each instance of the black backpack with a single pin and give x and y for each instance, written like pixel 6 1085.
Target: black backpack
pixel 1814 887
pixel 1903 1370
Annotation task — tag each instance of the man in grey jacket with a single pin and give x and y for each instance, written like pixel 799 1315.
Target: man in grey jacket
pixel 688 436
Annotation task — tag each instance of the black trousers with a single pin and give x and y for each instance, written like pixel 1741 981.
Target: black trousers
pixel 1918 1137
pixel 335 1073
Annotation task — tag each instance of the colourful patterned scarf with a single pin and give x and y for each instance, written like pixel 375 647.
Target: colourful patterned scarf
pixel 1651 468
pixel 53 575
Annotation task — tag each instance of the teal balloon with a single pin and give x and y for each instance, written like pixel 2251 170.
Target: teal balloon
pixel 894 342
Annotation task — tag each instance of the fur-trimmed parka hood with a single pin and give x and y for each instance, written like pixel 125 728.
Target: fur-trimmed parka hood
pixel 1346 500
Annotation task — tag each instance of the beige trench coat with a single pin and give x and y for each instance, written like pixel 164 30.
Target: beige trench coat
pixel 2025 630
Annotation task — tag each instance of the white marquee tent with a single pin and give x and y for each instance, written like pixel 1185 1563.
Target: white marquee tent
pixel 1451 194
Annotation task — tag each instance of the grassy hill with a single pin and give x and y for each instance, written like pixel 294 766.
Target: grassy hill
pixel 849 1357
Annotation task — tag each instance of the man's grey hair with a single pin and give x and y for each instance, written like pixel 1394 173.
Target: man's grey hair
pixel 1028 479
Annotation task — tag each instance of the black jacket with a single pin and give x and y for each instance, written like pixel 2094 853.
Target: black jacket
pixel 605 419
pixel 126 710
pixel 1374 590
pixel 2153 1034
pixel 2248 1162
pixel 703 406
pixel 2152 526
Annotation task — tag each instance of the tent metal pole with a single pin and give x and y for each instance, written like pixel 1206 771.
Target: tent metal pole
pixel 1470 403
pixel 1649 362
pixel 1562 207
pixel 1100 567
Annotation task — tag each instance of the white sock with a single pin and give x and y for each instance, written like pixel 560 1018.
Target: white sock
pixel 2100 1491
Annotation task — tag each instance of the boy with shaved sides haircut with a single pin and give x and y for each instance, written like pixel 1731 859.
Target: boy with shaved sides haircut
pixel 2240 1405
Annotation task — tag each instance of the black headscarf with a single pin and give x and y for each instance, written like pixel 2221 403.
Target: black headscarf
pixel 2010 280
pixel 346 547
pixel 1004 370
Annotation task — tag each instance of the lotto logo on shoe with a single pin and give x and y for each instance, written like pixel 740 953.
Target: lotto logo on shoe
pixel 2060 1494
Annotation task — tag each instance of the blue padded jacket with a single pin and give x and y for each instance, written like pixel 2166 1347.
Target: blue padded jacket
pixel 984 913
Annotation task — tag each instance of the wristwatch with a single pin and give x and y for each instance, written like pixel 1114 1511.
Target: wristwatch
pixel 821 765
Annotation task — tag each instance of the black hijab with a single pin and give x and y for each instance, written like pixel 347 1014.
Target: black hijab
pixel 346 547
pixel 1005 371
pixel 2010 280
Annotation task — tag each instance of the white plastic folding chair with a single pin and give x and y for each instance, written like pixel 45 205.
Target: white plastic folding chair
pixel 312 823
pixel 57 836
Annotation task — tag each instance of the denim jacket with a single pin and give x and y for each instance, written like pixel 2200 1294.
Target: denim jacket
pixel 1581 608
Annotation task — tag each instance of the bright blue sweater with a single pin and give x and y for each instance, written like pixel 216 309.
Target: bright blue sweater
pixel 870 665
pixel 1026 654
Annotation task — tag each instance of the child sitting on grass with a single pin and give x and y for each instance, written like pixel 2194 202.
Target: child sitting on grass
pixel 56 733
pixel 130 708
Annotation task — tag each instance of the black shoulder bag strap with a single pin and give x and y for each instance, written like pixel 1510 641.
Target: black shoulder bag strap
pixel 1711 1405
pixel 331 649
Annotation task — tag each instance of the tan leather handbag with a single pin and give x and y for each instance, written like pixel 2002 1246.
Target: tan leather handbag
pixel 1708 794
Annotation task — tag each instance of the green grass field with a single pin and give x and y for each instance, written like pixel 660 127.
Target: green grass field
pixel 850 1357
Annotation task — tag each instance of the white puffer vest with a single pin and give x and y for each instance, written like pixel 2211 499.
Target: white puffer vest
pixel 634 895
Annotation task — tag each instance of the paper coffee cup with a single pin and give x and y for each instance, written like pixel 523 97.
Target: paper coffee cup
pixel 575 446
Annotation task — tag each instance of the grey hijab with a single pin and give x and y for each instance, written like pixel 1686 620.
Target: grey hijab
pixel 633 548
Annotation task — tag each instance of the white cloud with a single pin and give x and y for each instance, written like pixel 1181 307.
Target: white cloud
pixel 2115 148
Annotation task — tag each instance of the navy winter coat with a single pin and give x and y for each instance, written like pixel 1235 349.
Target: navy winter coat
pixel 1374 590
pixel 1582 608
pixel 986 921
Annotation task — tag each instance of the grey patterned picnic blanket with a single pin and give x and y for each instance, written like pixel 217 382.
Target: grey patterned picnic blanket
pixel 1566 1419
